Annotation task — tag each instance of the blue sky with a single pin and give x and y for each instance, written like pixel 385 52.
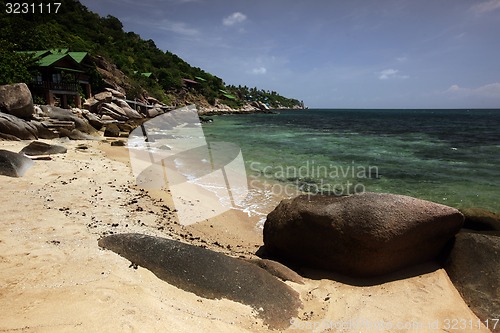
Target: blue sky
pixel 334 54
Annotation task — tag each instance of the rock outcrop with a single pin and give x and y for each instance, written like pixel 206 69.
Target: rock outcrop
pixel 363 235
pixel 474 268
pixel 14 164
pixel 16 99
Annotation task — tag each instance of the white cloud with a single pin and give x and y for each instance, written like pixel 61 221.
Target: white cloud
pixel 234 18
pixel 491 90
pixel 259 71
pixel 486 7
pixel 390 73
pixel 402 59
pixel 177 27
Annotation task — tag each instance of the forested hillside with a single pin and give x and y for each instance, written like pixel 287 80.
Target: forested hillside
pixel 77 28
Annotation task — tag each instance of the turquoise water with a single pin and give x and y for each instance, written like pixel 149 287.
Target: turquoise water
pixel 446 156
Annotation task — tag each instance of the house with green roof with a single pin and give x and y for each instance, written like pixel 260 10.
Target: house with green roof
pixel 62 76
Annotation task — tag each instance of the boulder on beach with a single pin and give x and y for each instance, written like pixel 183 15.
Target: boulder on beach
pixel 474 268
pixel 14 128
pixel 16 99
pixel 210 274
pixel 56 113
pixel 41 148
pixel 361 235
pixel 14 164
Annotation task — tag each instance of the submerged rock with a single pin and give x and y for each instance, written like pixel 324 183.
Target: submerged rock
pixel 365 234
pixel 474 268
pixel 41 148
pixel 14 164
pixel 210 274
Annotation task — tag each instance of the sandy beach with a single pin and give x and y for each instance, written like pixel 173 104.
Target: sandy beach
pixel 55 278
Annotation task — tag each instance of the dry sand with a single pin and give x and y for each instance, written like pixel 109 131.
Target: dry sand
pixel 55 278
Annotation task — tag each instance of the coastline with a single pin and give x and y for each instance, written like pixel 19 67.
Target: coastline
pixel 55 278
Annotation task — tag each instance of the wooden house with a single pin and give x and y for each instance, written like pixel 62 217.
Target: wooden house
pixel 62 76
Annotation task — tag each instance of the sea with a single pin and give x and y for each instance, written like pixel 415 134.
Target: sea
pixel 450 157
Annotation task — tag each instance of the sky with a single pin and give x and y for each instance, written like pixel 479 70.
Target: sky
pixel 333 53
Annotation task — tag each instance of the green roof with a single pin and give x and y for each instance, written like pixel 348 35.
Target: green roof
pixel 50 59
pixel 200 79
pixel 78 56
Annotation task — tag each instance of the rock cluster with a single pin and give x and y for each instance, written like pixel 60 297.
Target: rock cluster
pixel 21 120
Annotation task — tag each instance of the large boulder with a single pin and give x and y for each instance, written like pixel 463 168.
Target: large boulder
pixel 14 128
pixel 365 234
pixel 210 274
pixel 16 100
pixel 14 164
pixel 474 268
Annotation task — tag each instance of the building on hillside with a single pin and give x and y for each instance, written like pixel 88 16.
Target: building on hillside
pixel 62 76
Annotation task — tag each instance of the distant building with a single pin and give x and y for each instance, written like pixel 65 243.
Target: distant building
pixel 62 76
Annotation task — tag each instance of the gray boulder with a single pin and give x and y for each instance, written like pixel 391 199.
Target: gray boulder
pixel 474 268
pixel 210 274
pixel 14 128
pixel 16 99
pixel 41 148
pixel 361 235
pixel 60 114
pixel 14 164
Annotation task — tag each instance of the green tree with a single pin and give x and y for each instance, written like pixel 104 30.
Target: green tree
pixel 14 66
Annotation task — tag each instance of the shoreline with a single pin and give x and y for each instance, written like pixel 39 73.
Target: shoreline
pixel 55 278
